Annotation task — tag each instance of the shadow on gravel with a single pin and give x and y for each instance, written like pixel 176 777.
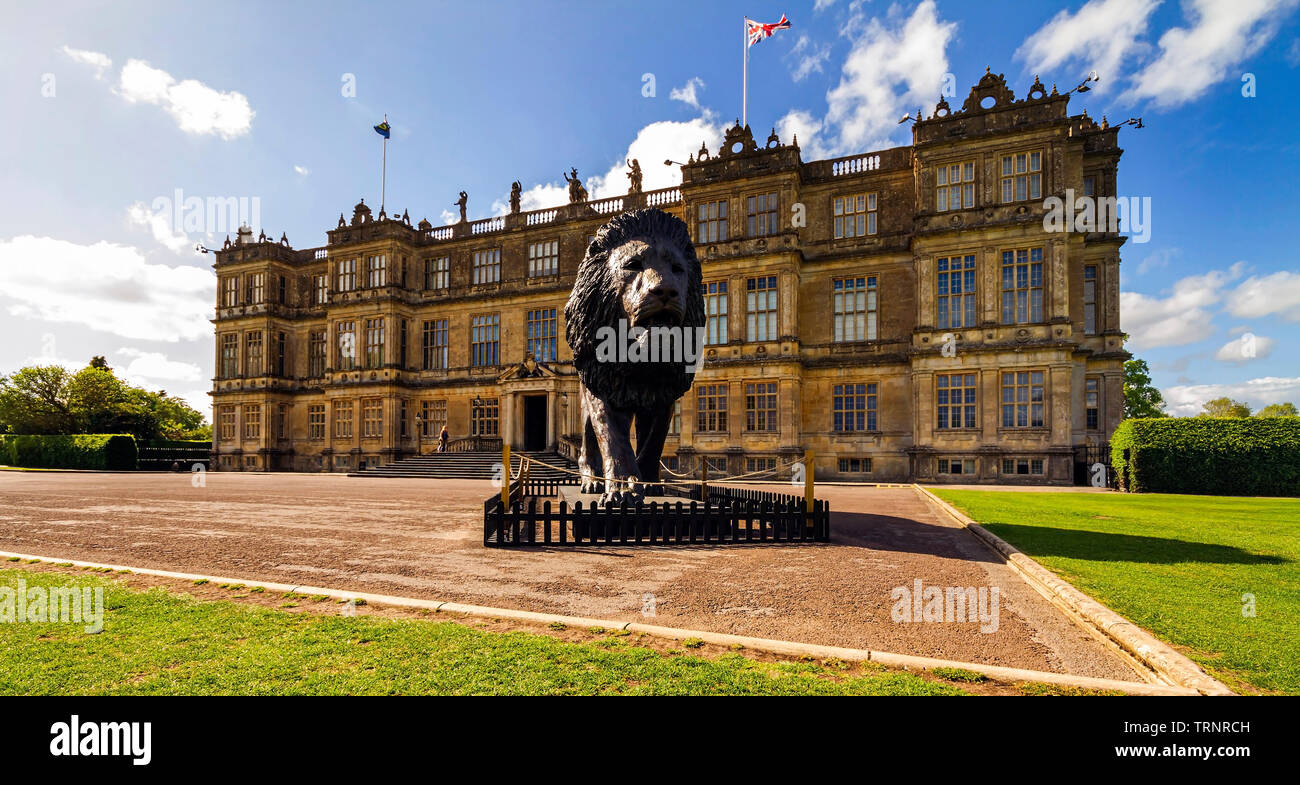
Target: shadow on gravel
pixel 906 535
pixel 1104 546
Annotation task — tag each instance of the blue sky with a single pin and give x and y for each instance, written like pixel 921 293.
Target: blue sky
pixel 113 107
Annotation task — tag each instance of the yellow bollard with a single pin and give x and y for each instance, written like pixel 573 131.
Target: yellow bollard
pixel 505 478
pixel 808 484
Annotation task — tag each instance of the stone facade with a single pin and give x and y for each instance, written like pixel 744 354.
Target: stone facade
pixel 902 313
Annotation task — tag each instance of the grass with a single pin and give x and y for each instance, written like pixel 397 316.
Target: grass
pixel 158 643
pixel 1183 567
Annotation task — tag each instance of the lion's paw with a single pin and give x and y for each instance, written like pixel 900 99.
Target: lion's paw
pixel 623 489
pixel 592 486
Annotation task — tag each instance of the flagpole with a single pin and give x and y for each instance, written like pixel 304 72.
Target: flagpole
pixel 744 98
pixel 383 181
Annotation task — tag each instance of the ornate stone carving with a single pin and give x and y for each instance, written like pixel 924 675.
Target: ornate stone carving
pixel 634 177
pixel 577 191
pixel 463 204
pixel 516 193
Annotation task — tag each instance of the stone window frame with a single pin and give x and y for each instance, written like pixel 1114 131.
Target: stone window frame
pixel 437 273
pixel 377 271
pixel 342 411
pixel 546 320
pixel 230 291
pixel 1028 404
pixel 763 220
pixel 712 418
pixel 1029 288
pixel 1092 399
pixel 376 337
pixel 1090 312
pixel 870 311
pixel 251 415
pixel 711 221
pixel 943 466
pixel 869 413
pixel 320 289
pixel 718 316
pixel 477 358
pixel 966 184
pixel 845 464
pixel 762 308
pixel 769 415
pixel 1008 181
pixel 345 275
pixel 544 258
pixel 485 266
pixel 1031 463
pixel 866 212
pixel 372 418
pixel 316 422
pixel 434 344
pixel 968 276
pixel 485 420
pixel 969 411
pixel 254 353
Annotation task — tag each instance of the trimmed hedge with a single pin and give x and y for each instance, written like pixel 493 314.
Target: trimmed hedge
pixel 1226 456
pixel 77 451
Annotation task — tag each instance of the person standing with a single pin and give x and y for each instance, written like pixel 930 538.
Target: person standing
pixel 442 440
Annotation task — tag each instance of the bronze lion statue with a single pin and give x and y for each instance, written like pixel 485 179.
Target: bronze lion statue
pixel 634 322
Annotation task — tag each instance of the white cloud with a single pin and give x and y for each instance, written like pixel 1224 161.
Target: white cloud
pixel 1099 36
pixel 655 143
pixel 1158 260
pixel 1222 34
pixel 822 5
pixel 686 93
pixel 811 57
pixel 197 108
pixel 152 367
pixel 160 225
pixel 1188 400
pixel 97 60
pixel 892 67
pixel 302 170
pixel 1260 296
pixel 1180 318
pixel 105 287
pixel 1246 348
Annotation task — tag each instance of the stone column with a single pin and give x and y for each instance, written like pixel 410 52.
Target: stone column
pixel 507 430
pixel 550 418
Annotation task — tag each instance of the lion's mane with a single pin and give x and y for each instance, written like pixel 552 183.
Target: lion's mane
pixel 596 303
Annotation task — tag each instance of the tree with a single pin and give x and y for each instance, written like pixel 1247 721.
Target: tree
pixel 35 400
pixel 1225 407
pixel 1278 410
pixel 1141 398
pixel 99 362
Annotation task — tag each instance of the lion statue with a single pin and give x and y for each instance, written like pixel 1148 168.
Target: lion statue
pixel 640 282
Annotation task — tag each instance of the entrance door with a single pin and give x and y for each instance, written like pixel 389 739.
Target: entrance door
pixel 535 422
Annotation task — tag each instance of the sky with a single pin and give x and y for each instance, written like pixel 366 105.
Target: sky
pixel 114 110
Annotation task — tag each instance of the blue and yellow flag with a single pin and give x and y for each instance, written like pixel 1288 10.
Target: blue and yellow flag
pixel 384 129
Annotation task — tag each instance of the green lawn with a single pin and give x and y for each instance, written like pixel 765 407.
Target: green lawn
pixel 155 642
pixel 1176 565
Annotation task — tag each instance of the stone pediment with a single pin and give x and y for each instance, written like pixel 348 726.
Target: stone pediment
pixel 528 369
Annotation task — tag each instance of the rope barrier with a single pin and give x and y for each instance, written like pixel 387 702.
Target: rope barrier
pixel 681 478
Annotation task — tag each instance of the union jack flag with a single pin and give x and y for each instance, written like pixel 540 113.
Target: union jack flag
pixel 757 31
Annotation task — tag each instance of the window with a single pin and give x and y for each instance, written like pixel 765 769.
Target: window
pixel 436 271
pixel 1090 299
pixel 485 419
pixel 435 344
pixel 716 465
pixel 956 465
pixel 855 216
pixel 715 309
pixel 1022 399
pixel 761 299
pixel 956 285
pixel 544 258
pixel 255 288
pixel 1089 185
pixel 712 408
pixel 1022 286
pixel 1022 465
pixel 316 421
pixel 375 343
pixel 402 329
pixel 955 398
pixel 376 271
pixel 541 333
pixel 343 419
pixel 1022 176
pixel 712 224
pixel 484 340
pixel 487 266
pixel 227 417
pixel 760 465
pixel 347 275
pixel 433 415
pixel 282 421
pixel 230 356
pixel 761 214
pixel 372 418
pixel 855 465
pixel 252 421
pixel 282 297
pixel 855 308
pixel 230 291
pixel 316 354
pixel 671 463
pixel 954 186
pixel 320 288
pixel 347 346
pixel 1092 401
pixel 281 354
pixel 853 407
pixel 675 424
pixel 253 353
pixel 760 406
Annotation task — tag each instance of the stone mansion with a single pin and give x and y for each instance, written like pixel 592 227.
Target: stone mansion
pixel 904 313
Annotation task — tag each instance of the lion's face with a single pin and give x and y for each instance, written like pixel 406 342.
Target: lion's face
pixel 652 280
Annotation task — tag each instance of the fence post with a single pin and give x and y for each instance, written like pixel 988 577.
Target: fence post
pixel 808 484
pixel 505 477
pixel 704 479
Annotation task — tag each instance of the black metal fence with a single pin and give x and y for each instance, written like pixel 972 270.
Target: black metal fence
pixel 729 517
pixel 1086 457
